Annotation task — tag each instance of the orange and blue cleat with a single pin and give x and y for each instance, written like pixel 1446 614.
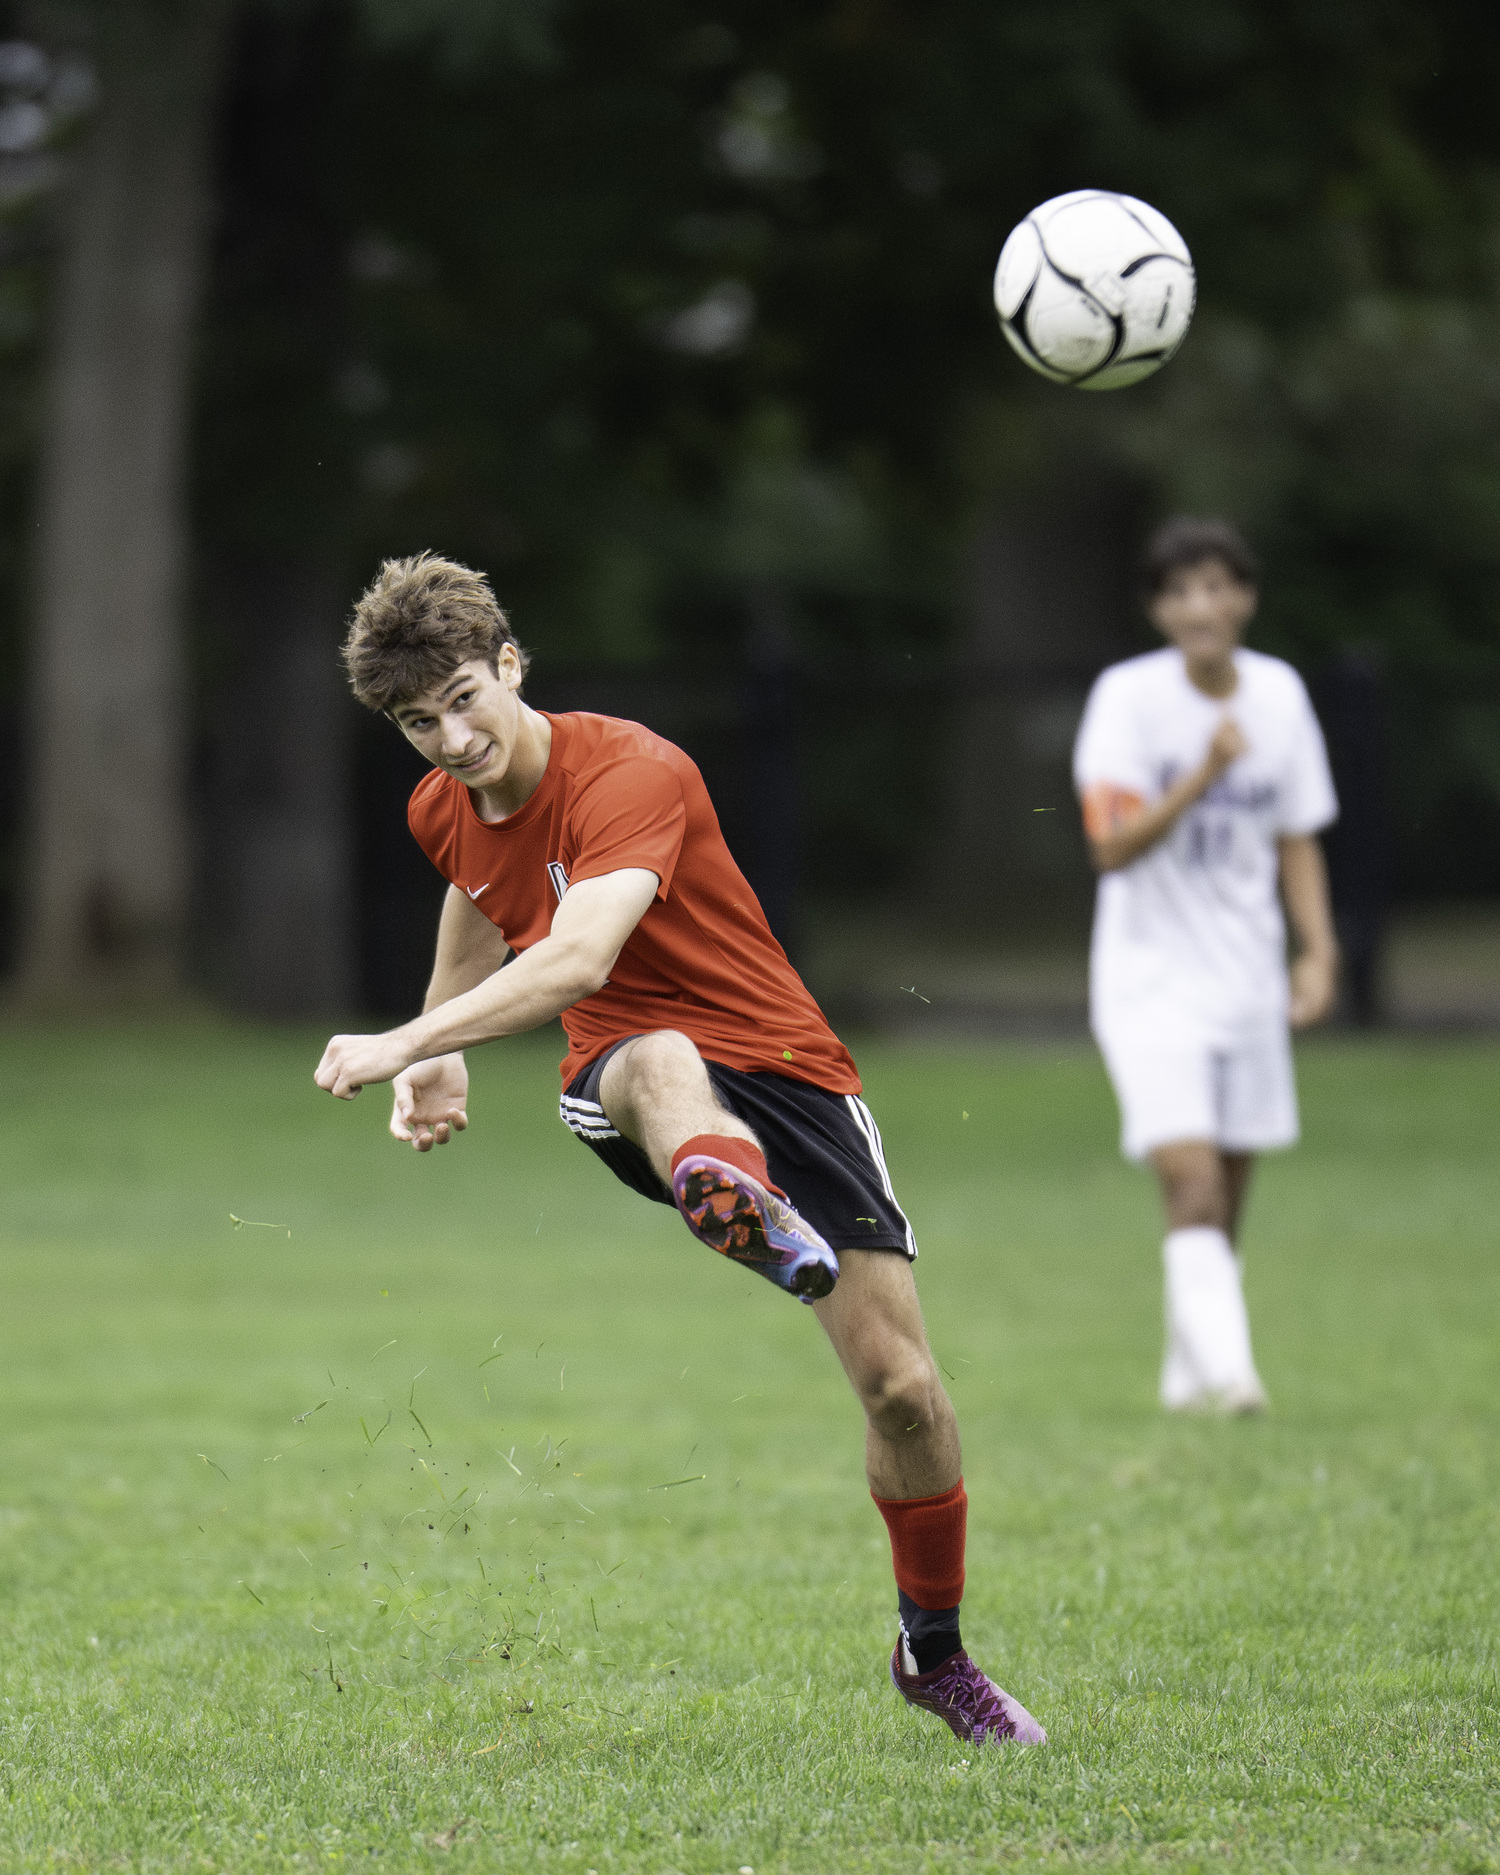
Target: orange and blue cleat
pixel 734 1214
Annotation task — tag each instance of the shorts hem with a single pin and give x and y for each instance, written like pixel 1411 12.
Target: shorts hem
pixel 1281 1143
pixel 1138 1154
pixel 839 1244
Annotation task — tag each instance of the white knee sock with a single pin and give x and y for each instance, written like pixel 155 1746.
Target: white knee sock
pixel 1208 1331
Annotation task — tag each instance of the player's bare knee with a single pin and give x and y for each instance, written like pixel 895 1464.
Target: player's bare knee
pixel 1196 1199
pixel 900 1395
pixel 1194 1185
pixel 662 1061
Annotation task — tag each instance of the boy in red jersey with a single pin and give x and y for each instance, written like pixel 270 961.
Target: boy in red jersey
pixel 586 851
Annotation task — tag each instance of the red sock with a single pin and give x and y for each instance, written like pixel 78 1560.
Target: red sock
pixel 927 1545
pixel 743 1154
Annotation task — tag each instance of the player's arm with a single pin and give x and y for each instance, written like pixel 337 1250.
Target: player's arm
pixel 1304 891
pixel 469 949
pixel 1121 827
pixel 592 923
pixel 575 958
pixel 430 1099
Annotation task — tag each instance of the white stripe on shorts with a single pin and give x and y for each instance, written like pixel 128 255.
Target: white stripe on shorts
pixel 865 1121
pixel 586 1118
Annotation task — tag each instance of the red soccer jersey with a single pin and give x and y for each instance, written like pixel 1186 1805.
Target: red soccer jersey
pixel 702 960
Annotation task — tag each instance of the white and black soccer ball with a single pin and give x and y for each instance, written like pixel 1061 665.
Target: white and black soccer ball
pixel 1095 290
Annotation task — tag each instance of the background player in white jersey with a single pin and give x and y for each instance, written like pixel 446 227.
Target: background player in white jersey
pixel 1204 783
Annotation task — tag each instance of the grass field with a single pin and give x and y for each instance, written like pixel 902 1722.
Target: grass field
pixel 485 1521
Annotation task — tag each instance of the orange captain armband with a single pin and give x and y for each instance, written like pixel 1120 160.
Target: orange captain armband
pixel 1107 808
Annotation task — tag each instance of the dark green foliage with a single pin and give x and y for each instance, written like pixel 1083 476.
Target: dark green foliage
pixel 522 233
pixel 506 242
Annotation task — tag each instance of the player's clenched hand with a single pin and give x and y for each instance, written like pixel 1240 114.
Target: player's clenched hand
pixel 1314 985
pixel 351 1062
pixel 1227 746
pixel 430 1102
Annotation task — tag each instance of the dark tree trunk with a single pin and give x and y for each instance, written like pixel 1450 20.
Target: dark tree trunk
pixel 1050 607
pixel 277 872
pixel 277 838
pixel 106 887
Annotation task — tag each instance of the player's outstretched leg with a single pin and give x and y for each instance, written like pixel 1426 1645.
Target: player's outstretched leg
pixel 657 1092
pixel 913 1462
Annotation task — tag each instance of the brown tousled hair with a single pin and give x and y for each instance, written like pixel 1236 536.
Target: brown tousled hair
pixel 416 622
pixel 1189 540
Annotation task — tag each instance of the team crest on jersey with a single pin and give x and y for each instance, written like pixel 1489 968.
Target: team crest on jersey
pixel 559 879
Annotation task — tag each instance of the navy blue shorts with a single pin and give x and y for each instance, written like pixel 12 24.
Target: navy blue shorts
pixel 823 1150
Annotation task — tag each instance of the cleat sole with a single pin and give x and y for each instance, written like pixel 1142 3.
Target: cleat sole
pixel 733 1225
pixel 737 1218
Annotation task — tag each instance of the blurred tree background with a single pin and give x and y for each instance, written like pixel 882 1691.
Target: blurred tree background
pixel 676 320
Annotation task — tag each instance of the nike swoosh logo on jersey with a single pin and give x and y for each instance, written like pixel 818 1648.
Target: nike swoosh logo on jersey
pixel 474 891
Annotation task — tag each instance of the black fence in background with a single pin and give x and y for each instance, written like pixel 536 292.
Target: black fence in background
pixel 847 786
pixel 856 787
pixel 1348 701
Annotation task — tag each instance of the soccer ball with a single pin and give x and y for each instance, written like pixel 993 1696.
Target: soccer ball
pixel 1095 290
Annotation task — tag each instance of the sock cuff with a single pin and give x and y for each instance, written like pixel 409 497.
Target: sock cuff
pixel 1200 1253
pixel 927 1545
pixel 743 1154
pixel 1192 1234
pixel 955 1495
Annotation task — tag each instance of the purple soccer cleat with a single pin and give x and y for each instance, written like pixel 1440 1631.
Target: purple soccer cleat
pixel 967 1701
pixel 734 1214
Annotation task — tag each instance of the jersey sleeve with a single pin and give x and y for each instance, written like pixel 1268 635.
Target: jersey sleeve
pixel 1308 801
pixel 628 813
pixel 1109 748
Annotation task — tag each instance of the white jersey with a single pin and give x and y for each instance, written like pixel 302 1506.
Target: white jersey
pixel 1189 941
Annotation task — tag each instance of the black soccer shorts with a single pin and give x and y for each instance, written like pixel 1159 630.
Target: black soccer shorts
pixel 823 1150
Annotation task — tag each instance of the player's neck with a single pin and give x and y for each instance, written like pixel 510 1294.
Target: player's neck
pixel 498 800
pixel 1216 677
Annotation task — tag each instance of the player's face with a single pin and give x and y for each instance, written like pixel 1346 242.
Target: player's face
pixel 1204 610
pixel 467 725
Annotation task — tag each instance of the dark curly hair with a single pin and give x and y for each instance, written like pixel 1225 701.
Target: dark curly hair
pixel 416 623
